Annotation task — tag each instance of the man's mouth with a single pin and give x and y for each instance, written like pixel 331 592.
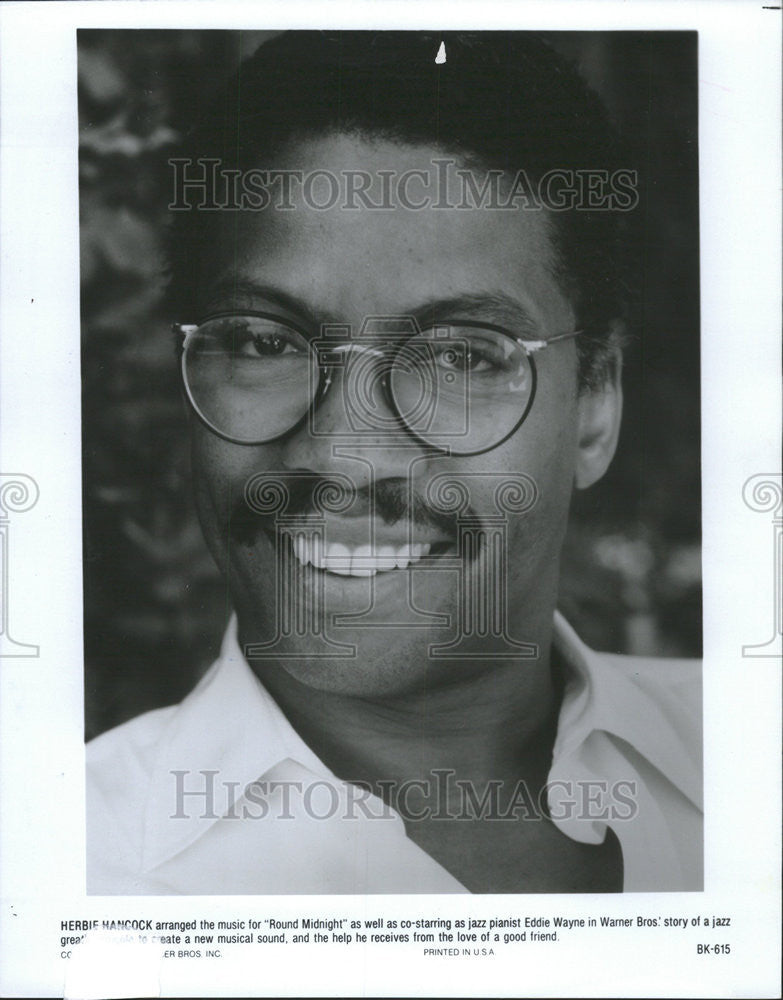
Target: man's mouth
pixel 359 560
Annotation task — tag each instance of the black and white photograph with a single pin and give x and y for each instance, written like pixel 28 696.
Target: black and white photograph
pixel 356 306
pixel 390 498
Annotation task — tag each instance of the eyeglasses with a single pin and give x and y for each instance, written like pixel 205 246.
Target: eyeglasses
pixel 459 387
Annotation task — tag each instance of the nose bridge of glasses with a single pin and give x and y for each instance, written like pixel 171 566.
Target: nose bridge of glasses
pixel 354 410
pixel 355 381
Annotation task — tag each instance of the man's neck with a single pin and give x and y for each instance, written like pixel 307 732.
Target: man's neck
pixel 496 725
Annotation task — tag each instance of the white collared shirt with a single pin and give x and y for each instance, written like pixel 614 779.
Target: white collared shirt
pixel 220 795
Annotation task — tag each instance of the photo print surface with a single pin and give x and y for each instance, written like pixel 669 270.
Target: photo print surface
pixel 391 469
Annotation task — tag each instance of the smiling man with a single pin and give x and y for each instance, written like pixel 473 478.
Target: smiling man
pixel 398 285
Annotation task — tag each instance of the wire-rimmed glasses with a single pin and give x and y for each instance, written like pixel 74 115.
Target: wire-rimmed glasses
pixel 461 387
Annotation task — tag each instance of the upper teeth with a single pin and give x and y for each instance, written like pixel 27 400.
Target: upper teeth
pixel 362 560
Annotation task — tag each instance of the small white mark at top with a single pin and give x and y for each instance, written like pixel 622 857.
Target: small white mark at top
pixel 440 58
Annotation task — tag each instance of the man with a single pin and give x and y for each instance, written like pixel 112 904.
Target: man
pixel 398 276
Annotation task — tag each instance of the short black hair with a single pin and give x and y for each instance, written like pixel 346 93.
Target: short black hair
pixel 505 100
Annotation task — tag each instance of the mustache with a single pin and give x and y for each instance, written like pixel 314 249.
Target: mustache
pixel 392 500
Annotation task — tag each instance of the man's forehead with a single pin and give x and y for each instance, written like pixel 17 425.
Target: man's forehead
pixel 331 263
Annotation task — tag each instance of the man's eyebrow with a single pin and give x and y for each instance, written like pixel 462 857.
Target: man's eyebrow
pixel 244 293
pixel 494 307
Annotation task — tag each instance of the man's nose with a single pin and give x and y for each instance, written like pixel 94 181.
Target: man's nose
pixel 354 420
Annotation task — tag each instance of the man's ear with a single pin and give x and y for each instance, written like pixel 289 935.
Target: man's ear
pixel 600 411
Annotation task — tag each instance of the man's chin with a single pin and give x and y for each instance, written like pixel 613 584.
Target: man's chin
pixel 363 663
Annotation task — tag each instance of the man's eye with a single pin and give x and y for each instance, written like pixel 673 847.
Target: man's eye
pixel 468 357
pixel 266 345
pixel 459 358
pixel 252 338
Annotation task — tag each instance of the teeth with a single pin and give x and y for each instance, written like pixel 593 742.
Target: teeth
pixel 362 560
pixel 317 551
pixel 403 556
pixel 338 559
pixel 386 558
pixel 300 550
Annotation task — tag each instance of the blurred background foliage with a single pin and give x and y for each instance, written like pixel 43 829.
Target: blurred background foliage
pixel 155 606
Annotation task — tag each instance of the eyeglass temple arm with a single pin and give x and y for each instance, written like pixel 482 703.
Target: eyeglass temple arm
pixel 531 346
pixel 182 333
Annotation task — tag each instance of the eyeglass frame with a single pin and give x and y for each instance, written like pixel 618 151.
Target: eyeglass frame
pixel 185 331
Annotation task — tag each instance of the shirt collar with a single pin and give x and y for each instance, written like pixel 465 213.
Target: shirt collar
pixel 636 699
pixel 224 735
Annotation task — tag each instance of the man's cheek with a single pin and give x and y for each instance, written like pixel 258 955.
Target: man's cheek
pixel 209 518
pixel 220 470
pixel 214 485
pixel 533 522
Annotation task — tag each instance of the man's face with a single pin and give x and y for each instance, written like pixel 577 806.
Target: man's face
pixel 310 266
